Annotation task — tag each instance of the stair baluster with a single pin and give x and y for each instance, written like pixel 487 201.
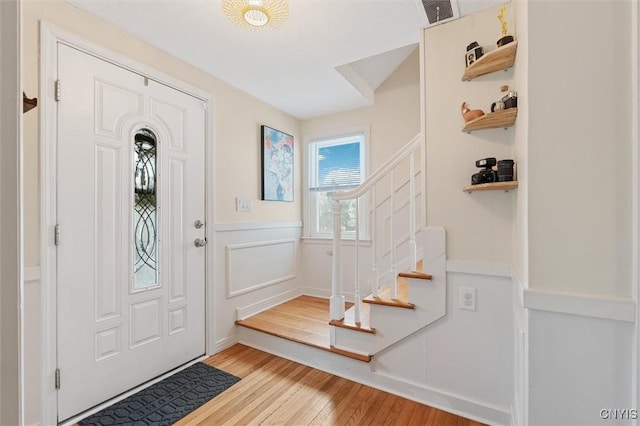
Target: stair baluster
pixel 392 236
pixel 337 291
pixel 375 279
pixel 357 299
pixel 413 250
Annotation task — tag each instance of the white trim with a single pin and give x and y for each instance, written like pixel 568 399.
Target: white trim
pixel 329 134
pixel 618 309
pixel 225 343
pixel 50 36
pixel 232 247
pixel 31 274
pixel 253 226
pixel 635 196
pixel 324 293
pixel 263 305
pixel 492 269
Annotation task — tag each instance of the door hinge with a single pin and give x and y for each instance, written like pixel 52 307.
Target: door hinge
pixel 57 91
pixel 56 235
pixel 57 378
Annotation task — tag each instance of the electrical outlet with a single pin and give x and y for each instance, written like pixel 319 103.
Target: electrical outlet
pixel 467 298
pixel 243 204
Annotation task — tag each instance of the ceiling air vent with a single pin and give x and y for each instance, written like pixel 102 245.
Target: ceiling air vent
pixel 439 11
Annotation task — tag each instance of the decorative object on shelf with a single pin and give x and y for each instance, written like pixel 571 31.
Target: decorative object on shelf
pixel 509 100
pixel 505 170
pixel 487 174
pixel 474 52
pixel 256 15
pixel 470 114
pixel 28 104
pixel 505 39
pixel 277 165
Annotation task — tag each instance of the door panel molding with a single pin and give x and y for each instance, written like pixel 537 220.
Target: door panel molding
pixel 50 36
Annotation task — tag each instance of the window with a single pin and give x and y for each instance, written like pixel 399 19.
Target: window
pixel 335 164
pixel 145 211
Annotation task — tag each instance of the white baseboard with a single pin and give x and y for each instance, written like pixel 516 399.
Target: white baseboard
pixel 225 343
pixel 263 305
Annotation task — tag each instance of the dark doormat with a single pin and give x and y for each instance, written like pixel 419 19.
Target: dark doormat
pixel 167 401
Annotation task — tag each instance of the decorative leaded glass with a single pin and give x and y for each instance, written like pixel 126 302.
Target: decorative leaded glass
pixel 145 211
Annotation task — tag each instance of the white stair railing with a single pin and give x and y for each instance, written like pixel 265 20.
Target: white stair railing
pixel 337 300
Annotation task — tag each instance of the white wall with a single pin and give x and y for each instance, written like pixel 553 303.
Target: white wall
pixel 577 292
pixel 580 229
pixel 10 228
pixel 479 225
pixel 577 366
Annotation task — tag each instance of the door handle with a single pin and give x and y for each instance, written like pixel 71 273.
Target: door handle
pixel 199 242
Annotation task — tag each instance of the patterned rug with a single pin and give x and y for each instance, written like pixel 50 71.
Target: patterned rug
pixel 168 400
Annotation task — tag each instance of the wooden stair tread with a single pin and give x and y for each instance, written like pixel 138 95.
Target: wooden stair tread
pixel 349 320
pixel 416 274
pixel 384 296
pixel 301 320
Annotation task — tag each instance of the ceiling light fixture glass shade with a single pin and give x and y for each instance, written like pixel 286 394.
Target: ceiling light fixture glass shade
pixel 256 15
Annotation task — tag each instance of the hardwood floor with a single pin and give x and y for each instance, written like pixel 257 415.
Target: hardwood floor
pixel 304 319
pixel 276 391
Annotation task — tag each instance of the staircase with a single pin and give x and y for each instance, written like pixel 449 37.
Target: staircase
pixel 409 299
pixel 414 299
pixel 385 320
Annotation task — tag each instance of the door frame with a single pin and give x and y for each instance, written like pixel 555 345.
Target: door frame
pixel 50 36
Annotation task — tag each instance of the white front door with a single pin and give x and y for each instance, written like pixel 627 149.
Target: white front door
pixel 130 258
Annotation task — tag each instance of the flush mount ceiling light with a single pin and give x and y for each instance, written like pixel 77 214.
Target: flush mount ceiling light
pixel 256 15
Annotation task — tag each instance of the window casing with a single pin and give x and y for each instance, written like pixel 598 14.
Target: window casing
pixel 335 163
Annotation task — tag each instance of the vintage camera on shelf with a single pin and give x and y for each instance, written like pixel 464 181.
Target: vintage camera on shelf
pixel 487 175
pixel 504 172
pixel 510 100
pixel 474 52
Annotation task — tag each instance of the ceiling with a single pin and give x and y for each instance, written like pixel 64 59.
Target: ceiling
pixel 329 56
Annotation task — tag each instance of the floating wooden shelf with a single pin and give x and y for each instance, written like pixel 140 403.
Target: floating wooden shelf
pixel 28 104
pixel 495 186
pixel 499 59
pixel 492 120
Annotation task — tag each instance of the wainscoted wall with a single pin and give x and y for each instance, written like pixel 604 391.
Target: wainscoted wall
pixel 462 363
pixel 32 336
pixel 580 358
pixel 257 265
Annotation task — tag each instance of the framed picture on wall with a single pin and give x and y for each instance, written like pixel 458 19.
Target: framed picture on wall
pixel 277 165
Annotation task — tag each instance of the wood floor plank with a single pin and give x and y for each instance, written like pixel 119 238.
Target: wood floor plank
pixel 276 391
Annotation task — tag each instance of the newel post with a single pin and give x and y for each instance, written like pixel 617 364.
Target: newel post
pixel 337 296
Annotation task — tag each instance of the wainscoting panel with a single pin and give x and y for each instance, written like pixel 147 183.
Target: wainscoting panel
pixel 256 266
pixel 259 264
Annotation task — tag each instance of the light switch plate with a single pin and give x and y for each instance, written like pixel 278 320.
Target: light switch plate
pixel 243 204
